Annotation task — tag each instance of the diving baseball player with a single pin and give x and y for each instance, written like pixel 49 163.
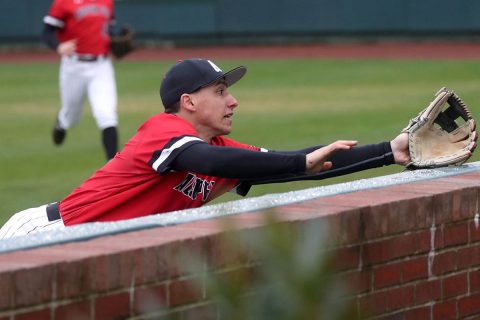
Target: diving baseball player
pixel 181 159
pixel 78 30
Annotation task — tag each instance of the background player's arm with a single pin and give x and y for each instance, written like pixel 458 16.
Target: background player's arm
pixel 49 36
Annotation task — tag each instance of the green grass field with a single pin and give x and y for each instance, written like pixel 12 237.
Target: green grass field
pixel 284 104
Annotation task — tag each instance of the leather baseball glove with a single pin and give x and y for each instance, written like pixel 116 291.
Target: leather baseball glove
pixel 443 134
pixel 121 44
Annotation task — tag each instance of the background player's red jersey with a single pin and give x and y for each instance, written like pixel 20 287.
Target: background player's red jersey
pixel 84 20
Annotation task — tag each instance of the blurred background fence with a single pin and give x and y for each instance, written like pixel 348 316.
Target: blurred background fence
pixel 200 22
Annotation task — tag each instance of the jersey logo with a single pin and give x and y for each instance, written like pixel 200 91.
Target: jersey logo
pixel 192 186
pixel 92 10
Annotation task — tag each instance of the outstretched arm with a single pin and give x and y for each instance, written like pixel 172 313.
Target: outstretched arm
pixel 343 162
pixel 247 164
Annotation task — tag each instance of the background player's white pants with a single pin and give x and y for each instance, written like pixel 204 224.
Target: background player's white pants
pixel 29 221
pixel 96 80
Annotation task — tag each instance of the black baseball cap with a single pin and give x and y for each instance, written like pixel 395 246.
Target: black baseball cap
pixel 187 76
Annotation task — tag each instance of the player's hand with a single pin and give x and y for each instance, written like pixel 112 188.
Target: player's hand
pixel 318 160
pixel 400 150
pixel 67 48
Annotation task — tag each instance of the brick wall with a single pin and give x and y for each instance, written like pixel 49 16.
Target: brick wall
pixel 409 251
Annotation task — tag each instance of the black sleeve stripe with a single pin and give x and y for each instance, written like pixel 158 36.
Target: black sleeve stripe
pixel 161 159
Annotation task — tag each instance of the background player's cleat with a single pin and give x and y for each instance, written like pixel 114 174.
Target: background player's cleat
pixel 58 135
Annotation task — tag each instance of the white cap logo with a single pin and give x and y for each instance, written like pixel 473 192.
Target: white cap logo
pixel 214 66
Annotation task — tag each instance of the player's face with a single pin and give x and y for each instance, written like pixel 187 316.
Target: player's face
pixel 215 105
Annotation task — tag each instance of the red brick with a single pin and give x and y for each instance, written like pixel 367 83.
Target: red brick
pixel 376 252
pixel 347 258
pixel 443 207
pixel 426 187
pixel 75 279
pixel 208 311
pixel 76 310
pixel 151 299
pixel 374 303
pixel 387 275
pixel 6 291
pixel 171 261
pixel 474 281
pixel 454 285
pixel 427 291
pixel 469 305
pixel 410 215
pixel 474 230
pixel 146 266
pixel 401 297
pixel 111 307
pixel 468 257
pixel 35 315
pixel 415 269
pixel 227 250
pixel 156 264
pixel 345 228
pixel 445 310
pixel 305 210
pixel 421 313
pixel 424 240
pixel 403 245
pixel 185 291
pixel 469 179
pixel 444 262
pixel 114 271
pixel 33 286
pixel 242 279
pixel 358 199
pixel 463 204
pixel 373 223
pixel 396 248
pixel 468 203
pixel 396 217
pixel 455 234
pixel 357 281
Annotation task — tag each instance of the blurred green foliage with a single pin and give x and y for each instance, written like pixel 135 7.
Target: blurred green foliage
pixel 284 105
pixel 280 271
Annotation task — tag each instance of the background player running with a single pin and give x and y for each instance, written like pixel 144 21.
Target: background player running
pixel 78 30
pixel 181 158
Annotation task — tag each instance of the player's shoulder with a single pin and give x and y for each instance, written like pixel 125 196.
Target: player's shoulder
pixel 167 123
pixel 228 142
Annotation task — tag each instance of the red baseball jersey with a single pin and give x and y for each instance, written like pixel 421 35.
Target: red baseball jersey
pixel 139 180
pixel 84 20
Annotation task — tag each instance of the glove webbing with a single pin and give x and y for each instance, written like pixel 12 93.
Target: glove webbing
pixel 446 119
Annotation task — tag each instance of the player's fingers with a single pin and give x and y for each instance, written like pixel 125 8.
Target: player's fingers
pixel 341 145
pixel 318 159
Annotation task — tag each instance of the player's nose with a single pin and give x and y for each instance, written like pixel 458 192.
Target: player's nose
pixel 232 102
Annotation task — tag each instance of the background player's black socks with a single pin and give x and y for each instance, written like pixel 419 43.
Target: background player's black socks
pixel 110 141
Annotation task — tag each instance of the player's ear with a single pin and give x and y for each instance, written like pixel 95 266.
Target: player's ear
pixel 186 101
